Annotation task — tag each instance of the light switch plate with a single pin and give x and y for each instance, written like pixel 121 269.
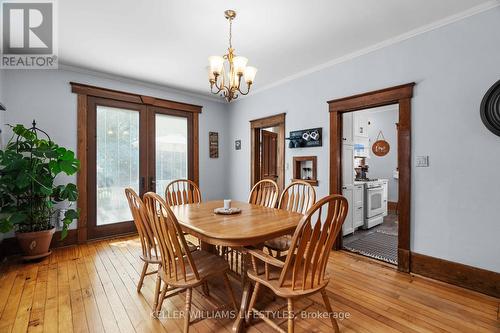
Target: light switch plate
pixel 422 161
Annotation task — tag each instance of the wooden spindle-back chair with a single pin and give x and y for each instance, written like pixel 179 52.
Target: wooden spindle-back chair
pixel 150 251
pixel 179 267
pixel 297 197
pixel 303 271
pixel 182 191
pixel 264 193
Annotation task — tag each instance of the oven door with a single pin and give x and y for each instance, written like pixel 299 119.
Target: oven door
pixel 374 200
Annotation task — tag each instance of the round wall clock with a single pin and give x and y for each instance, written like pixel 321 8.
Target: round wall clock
pixel 490 109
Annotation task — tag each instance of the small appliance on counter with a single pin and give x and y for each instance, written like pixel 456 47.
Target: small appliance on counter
pixel 361 170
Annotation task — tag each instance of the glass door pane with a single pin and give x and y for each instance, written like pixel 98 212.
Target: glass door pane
pixel 171 149
pixel 117 162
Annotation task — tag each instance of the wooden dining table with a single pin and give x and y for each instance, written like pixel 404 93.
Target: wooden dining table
pixel 253 226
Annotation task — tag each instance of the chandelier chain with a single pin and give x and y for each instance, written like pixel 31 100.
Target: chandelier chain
pixel 230 33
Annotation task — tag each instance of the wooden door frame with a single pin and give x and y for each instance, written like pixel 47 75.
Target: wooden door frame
pixel 400 95
pixel 256 126
pixel 125 227
pixel 84 92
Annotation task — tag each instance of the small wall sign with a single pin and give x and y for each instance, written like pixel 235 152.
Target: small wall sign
pixel 306 138
pixel 381 147
pixel 213 143
pixel 237 144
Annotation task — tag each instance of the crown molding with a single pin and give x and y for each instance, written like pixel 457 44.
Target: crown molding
pixel 388 42
pixel 124 79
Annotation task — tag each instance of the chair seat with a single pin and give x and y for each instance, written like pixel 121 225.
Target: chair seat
pixel 206 263
pixel 279 244
pixel 286 289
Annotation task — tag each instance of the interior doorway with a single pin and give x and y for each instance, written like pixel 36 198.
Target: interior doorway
pixel 268 149
pixel 401 96
pixel 370 182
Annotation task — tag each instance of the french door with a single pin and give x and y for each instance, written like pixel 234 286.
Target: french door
pixel 132 145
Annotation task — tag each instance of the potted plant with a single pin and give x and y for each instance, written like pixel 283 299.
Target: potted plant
pixel 29 194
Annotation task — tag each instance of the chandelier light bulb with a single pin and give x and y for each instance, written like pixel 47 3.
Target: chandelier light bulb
pixel 250 74
pixel 216 64
pixel 239 64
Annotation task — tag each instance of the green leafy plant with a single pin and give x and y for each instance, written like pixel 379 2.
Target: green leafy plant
pixel 29 166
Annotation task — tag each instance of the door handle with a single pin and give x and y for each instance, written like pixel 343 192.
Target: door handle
pixel 152 183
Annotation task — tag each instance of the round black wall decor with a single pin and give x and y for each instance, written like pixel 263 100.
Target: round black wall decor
pixel 490 109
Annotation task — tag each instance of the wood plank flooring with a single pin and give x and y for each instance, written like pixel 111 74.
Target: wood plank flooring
pixel 92 288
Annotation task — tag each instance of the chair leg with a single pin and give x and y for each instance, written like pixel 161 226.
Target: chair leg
pixel 253 299
pixel 187 309
pixel 157 291
pixel 205 289
pixel 230 292
pixel 328 306
pixel 291 323
pixel 143 275
pixel 161 298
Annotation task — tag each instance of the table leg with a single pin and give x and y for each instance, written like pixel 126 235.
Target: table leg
pixel 208 247
pixel 239 323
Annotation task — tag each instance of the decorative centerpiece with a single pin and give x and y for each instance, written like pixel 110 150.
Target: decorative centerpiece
pixel 29 166
pixel 227 209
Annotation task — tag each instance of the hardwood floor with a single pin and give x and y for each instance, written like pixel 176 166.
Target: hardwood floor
pixel 92 288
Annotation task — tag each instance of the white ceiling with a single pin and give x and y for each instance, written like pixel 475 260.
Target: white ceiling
pixel 167 42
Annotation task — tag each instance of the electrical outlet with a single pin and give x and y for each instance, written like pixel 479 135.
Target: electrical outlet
pixel 422 161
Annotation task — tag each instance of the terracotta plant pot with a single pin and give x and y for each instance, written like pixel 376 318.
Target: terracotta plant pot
pixel 36 244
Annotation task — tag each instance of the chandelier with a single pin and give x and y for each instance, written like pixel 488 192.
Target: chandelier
pixel 225 73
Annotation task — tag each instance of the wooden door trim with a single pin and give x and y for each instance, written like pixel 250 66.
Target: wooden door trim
pixel 401 95
pixel 256 125
pixel 84 92
pixel 88 90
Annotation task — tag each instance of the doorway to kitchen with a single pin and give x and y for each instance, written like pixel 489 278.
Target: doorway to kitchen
pixel 373 206
pixel 370 182
pixel 268 149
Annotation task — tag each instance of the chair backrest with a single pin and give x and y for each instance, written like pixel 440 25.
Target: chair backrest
pixel 182 191
pixel 297 197
pixel 264 193
pixel 176 258
pixel 312 243
pixel 142 223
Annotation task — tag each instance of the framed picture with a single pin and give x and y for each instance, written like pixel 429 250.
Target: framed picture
pixel 237 144
pixel 213 144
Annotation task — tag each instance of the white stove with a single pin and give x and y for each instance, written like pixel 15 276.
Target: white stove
pixel 375 202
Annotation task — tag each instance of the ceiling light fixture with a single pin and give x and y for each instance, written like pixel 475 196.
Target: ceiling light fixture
pixel 225 73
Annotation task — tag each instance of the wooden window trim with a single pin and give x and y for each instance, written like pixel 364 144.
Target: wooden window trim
pixel 88 90
pixel 401 95
pixel 83 92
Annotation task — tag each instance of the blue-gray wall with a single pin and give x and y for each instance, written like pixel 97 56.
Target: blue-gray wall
pixel 455 212
pixel 46 95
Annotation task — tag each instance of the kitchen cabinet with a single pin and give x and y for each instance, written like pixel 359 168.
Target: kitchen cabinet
pixel 355 215
pixel 347 164
pixel 360 122
pixel 347 227
pixel 358 206
pixel 347 128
